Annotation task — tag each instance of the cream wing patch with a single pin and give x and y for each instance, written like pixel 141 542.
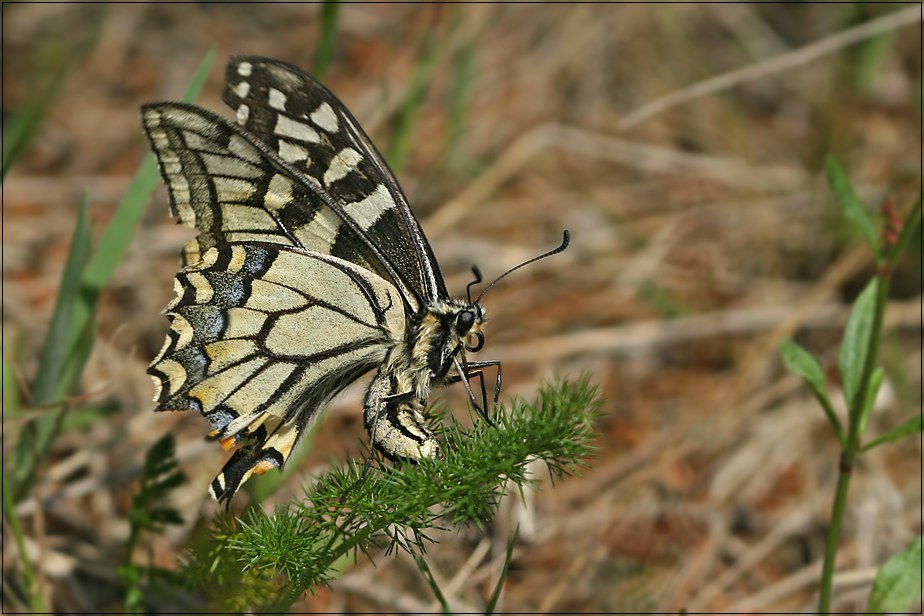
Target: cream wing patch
pixel 278 193
pixel 368 211
pixel 318 278
pixel 325 117
pixel 271 298
pixel 260 388
pixel 330 330
pixel 321 232
pixel 223 353
pixel 212 391
pixel 345 161
pixel 287 127
pixel 293 153
pixel 236 216
pixel 244 322
pixel 233 189
pixel 277 99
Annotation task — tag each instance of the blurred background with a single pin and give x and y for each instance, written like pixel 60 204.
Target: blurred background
pixel 682 145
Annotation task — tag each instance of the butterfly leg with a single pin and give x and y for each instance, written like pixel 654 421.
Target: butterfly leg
pixel 470 370
pixel 471 375
pixel 478 366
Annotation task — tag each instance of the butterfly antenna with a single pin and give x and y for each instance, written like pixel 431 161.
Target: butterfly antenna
pixel 468 289
pixel 565 240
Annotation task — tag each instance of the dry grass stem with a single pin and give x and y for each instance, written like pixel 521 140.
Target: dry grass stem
pixel 784 62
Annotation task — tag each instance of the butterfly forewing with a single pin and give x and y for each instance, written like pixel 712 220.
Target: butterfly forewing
pixel 229 185
pixel 316 135
pixel 241 351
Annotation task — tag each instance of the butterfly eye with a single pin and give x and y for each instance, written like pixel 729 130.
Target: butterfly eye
pixel 464 322
pixel 479 343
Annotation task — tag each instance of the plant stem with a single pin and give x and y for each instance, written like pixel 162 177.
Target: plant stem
pixel 33 589
pixel 852 447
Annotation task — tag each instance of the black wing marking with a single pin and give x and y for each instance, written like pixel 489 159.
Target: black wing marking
pixel 261 337
pixel 303 122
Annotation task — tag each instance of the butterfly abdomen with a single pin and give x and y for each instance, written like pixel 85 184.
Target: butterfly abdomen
pixel 394 411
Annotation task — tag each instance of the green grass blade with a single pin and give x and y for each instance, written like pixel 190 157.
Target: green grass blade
pixel 77 358
pixel 11 402
pixel 428 575
pixel 31 581
pixel 330 15
pixel 49 384
pixel 21 128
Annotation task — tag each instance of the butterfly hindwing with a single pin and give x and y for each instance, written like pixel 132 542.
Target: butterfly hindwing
pixel 261 337
pixel 309 128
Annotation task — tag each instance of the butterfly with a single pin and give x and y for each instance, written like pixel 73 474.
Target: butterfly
pixel 309 270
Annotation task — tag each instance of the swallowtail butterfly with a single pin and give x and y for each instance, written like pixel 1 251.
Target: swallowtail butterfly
pixel 309 270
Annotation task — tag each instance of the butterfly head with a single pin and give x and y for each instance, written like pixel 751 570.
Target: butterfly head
pixel 445 330
pixel 469 322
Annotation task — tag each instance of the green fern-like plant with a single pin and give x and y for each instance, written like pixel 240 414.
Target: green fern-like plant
pixel 270 561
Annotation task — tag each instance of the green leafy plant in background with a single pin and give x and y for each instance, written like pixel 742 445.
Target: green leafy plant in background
pixel 265 563
pixel 898 581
